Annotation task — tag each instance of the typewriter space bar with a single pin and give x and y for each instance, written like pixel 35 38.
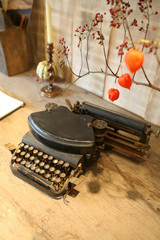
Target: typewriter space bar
pixel 31 176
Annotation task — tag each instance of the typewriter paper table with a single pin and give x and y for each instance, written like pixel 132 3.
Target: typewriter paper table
pixel 118 198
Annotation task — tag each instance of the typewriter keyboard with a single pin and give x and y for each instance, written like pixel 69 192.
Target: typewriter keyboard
pixel 40 167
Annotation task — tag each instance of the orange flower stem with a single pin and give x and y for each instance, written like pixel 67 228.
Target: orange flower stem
pixel 119 66
pixel 131 75
pixel 138 43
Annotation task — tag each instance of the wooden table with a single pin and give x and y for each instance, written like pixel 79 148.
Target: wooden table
pixel 118 198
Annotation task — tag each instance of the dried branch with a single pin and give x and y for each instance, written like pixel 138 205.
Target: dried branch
pixel 119 15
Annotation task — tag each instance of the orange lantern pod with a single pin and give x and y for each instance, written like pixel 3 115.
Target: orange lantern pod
pixel 134 59
pixel 125 81
pixel 113 94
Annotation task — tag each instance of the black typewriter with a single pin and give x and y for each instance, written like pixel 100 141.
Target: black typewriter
pixel 63 141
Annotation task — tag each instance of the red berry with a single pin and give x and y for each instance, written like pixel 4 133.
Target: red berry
pixel 125 81
pixel 113 94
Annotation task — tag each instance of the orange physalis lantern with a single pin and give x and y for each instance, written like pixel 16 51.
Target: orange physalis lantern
pixel 134 59
pixel 113 94
pixel 125 80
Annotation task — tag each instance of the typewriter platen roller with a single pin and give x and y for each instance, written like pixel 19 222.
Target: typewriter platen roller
pixel 61 143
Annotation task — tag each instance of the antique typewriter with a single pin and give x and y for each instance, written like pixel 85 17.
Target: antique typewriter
pixel 63 142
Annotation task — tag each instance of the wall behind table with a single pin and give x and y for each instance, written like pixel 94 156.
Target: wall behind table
pixel 67 15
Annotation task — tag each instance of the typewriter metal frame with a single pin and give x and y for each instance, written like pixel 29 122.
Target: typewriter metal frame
pixel 105 129
pixel 121 132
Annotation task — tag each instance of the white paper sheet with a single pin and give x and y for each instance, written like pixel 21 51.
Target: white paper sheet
pixel 8 104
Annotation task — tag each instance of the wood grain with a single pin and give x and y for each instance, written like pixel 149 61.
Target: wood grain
pixel 118 197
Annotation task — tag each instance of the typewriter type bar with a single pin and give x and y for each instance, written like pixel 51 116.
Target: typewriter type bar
pixel 120 132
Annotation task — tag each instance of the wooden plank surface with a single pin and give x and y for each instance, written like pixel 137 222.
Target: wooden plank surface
pixel 118 198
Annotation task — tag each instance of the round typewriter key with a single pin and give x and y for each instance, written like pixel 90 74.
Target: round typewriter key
pixel 66 166
pixel 42 171
pixel 57 172
pixel 27 156
pixel 50 158
pixel 55 161
pixel 23 162
pixel 45 156
pixel 36 161
pixel 62 176
pixel 21 145
pixel 47 175
pixel 32 158
pixel 37 170
pixel 46 166
pixel 35 151
pixel 52 169
pixel 58 180
pixel 57 183
pixel 14 158
pixel 40 154
pixel 31 148
pixel 33 167
pixel 53 178
pixel 26 147
pixel 42 164
pixel 22 154
pixel 17 152
pixel 28 165
pixel 18 160
pixel 60 163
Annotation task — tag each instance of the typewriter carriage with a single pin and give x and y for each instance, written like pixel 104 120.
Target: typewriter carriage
pixel 120 132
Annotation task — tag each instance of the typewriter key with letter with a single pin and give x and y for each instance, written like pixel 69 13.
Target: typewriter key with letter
pixel 45 156
pixel 46 166
pixel 42 171
pixel 40 154
pixel 26 147
pixel 21 145
pixel 36 161
pixel 50 158
pixel 32 158
pixel 41 164
pixel 55 161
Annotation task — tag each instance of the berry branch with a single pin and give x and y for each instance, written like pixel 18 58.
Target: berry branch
pixel 120 11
